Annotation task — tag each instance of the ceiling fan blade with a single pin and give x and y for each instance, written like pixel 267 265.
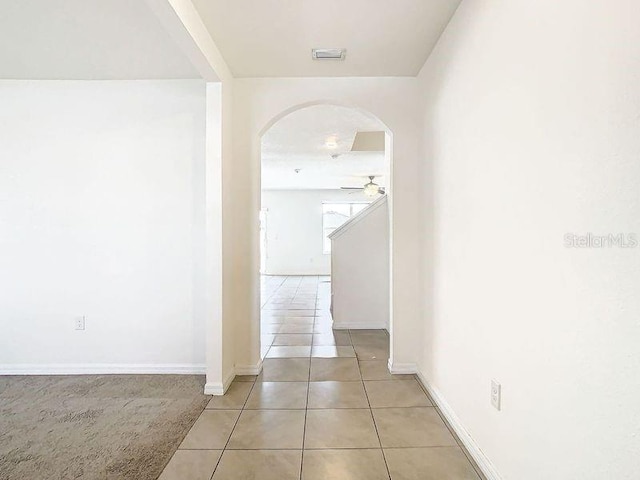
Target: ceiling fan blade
pixel 351 188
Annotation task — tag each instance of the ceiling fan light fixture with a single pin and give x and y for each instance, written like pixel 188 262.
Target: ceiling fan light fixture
pixel 371 189
pixel 331 142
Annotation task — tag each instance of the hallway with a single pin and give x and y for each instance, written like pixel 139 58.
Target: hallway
pixel 296 321
pixel 324 407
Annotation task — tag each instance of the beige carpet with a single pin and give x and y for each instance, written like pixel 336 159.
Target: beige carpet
pixel 94 426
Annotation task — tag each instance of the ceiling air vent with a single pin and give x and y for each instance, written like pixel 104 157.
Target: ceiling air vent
pixel 328 53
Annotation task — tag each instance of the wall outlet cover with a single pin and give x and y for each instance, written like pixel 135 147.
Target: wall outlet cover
pixel 496 394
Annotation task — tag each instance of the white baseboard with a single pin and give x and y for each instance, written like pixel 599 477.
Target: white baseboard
pixel 103 369
pixel 402 368
pixel 484 464
pixel 219 388
pixel 249 369
pixel 214 388
pixel 358 326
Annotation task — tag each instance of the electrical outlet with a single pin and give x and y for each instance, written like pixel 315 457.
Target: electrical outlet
pixel 80 321
pixel 496 394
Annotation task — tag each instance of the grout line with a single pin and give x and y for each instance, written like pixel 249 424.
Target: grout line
pixel 306 406
pixel 224 449
pixel 314 448
pixel 459 443
pixel 375 425
pixel 270 296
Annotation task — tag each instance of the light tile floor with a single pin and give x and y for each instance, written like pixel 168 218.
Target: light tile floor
pixel 324 408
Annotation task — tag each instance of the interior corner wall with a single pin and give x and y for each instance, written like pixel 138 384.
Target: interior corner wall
pixel 102 215
pixel 257 102
pixel 532 135
pixel 294 232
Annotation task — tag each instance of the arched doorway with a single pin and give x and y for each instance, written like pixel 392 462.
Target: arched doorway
pixel 296 175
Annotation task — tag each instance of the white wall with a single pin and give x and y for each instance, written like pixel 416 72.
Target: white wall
pixel 360 269
pixel 258 103
pixel 532 131
pixel 102 214
pixel 294 230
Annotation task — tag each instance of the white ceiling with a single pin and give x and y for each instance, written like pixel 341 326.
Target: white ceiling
pixel 274 38
pixel 86 40
pixel 299 141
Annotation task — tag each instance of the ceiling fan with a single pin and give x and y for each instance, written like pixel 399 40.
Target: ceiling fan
pixel 370 189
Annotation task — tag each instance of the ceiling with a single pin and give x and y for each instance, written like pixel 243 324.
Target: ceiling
pixel 86 40
pixel 306 139
pixel 274 38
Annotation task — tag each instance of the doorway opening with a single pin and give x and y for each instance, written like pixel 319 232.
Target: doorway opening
pixel 325 233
